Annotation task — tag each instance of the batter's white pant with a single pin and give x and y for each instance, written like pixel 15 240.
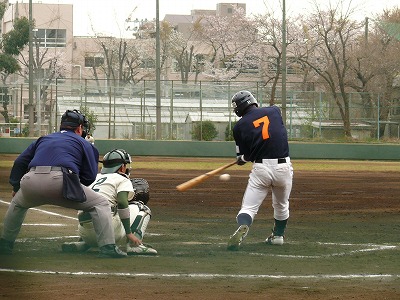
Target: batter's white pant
pixel 87 233
pixel 264 176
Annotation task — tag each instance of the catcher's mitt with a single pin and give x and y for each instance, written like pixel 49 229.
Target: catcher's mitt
pixel 141 188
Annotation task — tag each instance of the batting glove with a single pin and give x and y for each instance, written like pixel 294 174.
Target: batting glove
pixel 240 160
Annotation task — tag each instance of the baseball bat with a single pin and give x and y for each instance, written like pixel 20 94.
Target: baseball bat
pixel 199 179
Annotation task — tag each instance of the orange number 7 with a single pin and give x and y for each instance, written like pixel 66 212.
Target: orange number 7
pixel 258 122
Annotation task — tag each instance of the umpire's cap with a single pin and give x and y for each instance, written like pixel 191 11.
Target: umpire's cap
pixel 74 118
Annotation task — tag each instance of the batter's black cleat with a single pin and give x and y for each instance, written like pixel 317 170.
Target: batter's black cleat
pixel 111 251
pixel 6 247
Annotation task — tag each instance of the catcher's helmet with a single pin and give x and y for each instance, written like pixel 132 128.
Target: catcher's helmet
pixel 72 119
pixel 241 101
pixel 114 159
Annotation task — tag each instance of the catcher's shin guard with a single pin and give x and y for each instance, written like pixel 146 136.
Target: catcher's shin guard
pixel 140 218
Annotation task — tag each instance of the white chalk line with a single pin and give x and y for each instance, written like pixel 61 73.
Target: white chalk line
pixel 206 275
pixel 344 253
pixel 45 211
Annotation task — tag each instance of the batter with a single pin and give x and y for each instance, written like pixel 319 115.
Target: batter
pixel 261 138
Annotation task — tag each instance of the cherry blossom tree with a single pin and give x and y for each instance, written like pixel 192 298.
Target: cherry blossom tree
pixel 231 41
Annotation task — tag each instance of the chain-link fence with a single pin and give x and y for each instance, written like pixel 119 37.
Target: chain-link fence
pixel 133 112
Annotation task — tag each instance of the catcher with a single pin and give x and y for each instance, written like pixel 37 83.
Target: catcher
pixel 128 199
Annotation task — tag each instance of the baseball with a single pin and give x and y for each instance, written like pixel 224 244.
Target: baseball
pixel 224 177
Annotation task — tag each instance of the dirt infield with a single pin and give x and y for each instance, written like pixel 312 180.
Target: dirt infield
pixel 343 242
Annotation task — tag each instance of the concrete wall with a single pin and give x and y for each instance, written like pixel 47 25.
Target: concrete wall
pixel 226 149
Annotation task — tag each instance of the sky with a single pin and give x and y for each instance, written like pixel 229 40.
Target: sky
pixel 108 16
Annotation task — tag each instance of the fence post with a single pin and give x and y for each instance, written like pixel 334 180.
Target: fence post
pixel 291 115
pixel 320 114
pixel 56 106
pixel 171 114
pixel 378 116
pixel 20 111
pixel 201 115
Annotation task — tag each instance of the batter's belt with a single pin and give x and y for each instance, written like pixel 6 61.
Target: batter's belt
pixel 272 161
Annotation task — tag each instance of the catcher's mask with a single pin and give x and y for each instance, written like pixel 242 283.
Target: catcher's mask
pixel 114 159
pixel 241 101
pixel 71 119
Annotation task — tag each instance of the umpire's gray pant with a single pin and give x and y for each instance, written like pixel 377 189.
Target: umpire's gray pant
pixel 43 186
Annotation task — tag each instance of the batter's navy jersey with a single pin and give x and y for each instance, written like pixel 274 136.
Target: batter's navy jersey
pixel 261 134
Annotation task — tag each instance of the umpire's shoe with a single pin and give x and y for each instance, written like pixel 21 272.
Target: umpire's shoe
pixel 6 247
pixel 112 251
pixel 236 239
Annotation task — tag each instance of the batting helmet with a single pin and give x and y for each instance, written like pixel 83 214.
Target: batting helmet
pixel 241 101
pixel 72 119
pixel 114 159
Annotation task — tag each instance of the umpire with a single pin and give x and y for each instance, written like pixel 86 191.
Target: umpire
pixel 37 179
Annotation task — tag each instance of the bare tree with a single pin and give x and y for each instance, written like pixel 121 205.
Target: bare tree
pixel 124 61
pixel 269 47
pixel 385 40
pixel 330 35
pixel 49 64
pixel 183 50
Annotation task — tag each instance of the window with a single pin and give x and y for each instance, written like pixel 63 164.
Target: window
pixel 148 63
pixel 293 66
pixel 175 66
pixel 93 61
pixel 250 64
pixel 272 64
pixel 4 96
pixel 199 63
pixel 51 38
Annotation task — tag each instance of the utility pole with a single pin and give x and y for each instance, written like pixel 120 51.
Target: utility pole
pixel 284 62
pixel 158 75
pixel 366 31
pixel 31 110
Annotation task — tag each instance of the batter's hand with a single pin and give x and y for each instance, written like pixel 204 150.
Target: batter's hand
pixel 133 239
pixel 240 161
